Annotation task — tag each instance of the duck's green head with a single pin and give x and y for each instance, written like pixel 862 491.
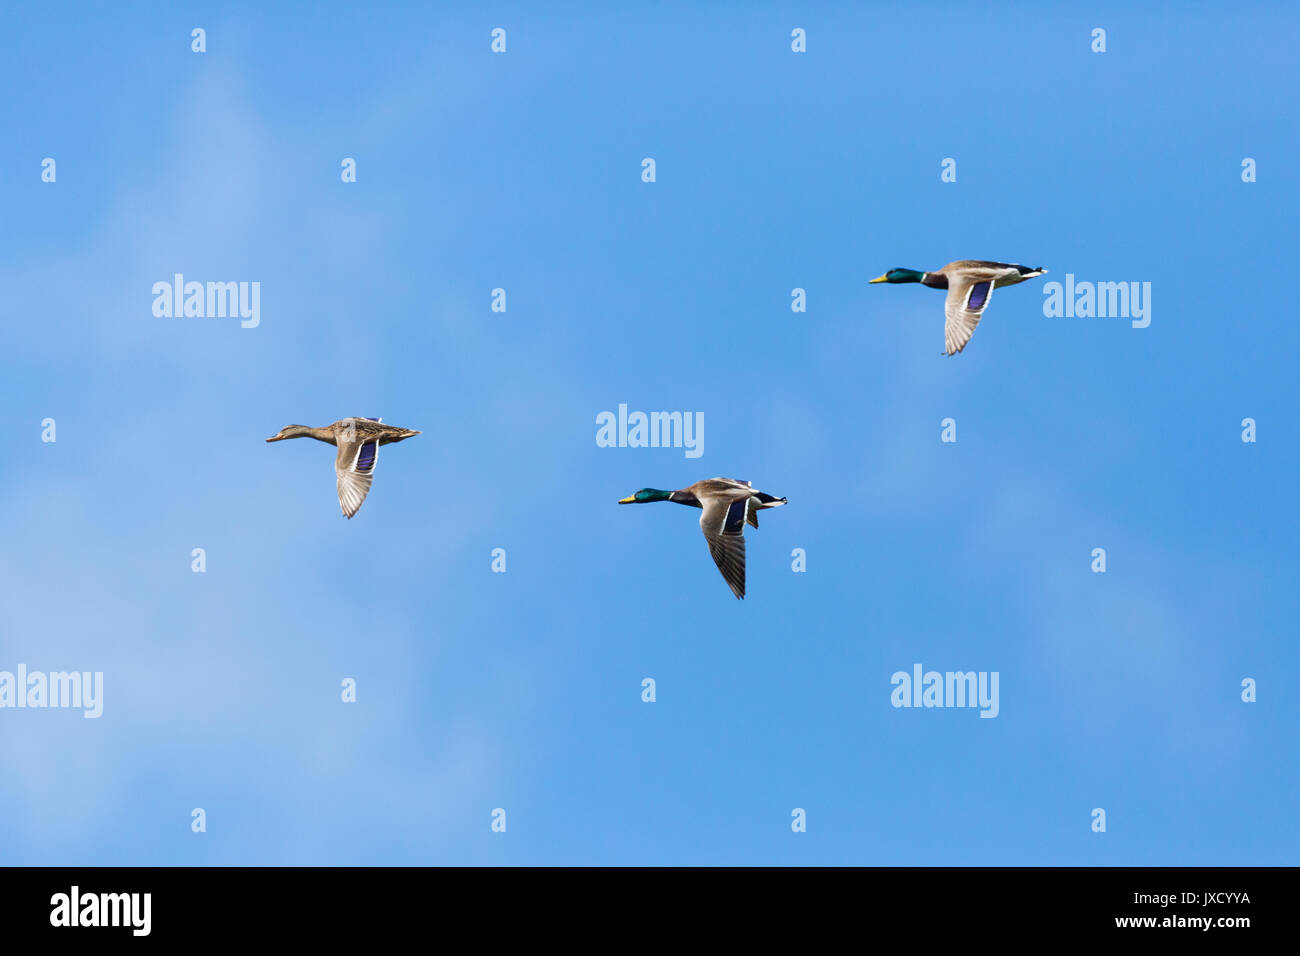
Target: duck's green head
pixel 900 275
pixel 644 495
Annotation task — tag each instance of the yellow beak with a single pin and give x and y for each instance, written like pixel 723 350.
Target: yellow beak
pixel 884 278
pixel 628 500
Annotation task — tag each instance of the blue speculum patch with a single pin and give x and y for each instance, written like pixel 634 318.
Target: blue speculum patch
pixel 366 460
pixel 735 517
pixel 979 294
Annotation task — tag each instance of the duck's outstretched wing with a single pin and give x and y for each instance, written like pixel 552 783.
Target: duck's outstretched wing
pixel 355 468
pixel 723 524
pixel 966 302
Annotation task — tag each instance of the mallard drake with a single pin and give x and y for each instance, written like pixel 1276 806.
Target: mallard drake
pixel 970 284
pixel 728 505
pixel 358 441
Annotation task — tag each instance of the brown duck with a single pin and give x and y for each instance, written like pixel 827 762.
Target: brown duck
pixel 358 441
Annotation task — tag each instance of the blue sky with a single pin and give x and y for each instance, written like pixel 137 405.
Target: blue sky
pixel 522 690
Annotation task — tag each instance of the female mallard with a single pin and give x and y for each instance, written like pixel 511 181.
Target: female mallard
pixel 970 284
pixel 728 504
pixel 358 441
